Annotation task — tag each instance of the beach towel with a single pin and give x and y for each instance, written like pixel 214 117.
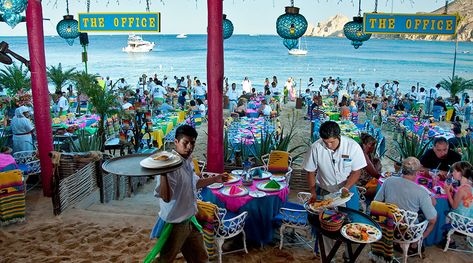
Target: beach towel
pixel 207 217
pixel 383 214
pixel 278 162
pixel 12 197
pixel 163 237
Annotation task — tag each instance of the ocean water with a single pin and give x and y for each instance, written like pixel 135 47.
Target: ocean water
pixel 258 57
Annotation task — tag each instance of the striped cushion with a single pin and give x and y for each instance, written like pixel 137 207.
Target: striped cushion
pixel 278 162
pixel 12 197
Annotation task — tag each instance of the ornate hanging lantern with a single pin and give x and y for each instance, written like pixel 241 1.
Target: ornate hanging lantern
pixel 68 28
pixel 353 30
pixel 12 10
pixel 227 27
pixel 13 6
pixel 291 25
pixel 290 43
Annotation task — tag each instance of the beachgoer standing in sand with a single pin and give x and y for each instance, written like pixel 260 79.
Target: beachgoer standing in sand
pixel 177 228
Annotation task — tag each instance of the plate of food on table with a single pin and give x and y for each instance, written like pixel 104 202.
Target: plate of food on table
pixel 215 186
pixel 232 179
pixel 333 200
pixel 234 190
pixel 259 174
pixel 161 160
pixel 270 186
pixel 361 233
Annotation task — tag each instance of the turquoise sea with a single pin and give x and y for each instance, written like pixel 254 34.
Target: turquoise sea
pixel 259 57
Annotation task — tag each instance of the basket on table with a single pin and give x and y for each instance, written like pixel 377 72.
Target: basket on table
pixel 331 220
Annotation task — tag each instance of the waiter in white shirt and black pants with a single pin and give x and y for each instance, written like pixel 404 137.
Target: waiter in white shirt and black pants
pixel 333 163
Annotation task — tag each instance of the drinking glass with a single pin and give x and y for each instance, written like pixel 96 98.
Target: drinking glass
pixel 435 177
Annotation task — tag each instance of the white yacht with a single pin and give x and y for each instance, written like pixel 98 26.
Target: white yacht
pixel 136 44
pixel 181 36
pixel 299 51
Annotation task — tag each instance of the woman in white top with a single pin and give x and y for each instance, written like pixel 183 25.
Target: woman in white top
pixel 22 129
pixel 264 109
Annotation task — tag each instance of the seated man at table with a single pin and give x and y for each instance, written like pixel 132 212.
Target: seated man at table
pixel 439 157
pixel 166 106
pixel 406 194
pixel 177 226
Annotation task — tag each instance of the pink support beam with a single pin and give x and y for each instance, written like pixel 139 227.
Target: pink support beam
pixel 42 117
pixel 215 85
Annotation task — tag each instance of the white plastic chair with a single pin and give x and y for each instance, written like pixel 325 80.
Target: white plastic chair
pixel 462 225
pixel 29 162
pixel 407 231
pixel 296 219
pixel 228 228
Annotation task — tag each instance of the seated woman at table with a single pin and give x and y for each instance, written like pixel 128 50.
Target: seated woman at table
pixel 192 107
pixel 264 109
pixel 461 201
pixel 241 108
pixel 344 110
pixel 371 173
pixel 201 106
pixel 407 195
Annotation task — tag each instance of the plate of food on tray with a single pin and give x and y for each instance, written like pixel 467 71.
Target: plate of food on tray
pixel 333 200
pixel 361 233
pixel 161 160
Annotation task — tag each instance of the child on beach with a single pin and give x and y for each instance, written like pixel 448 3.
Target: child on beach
pixel 461 201
pixel 177 228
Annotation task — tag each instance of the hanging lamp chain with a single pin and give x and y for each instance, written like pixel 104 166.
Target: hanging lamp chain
pixel 88 6
pixel 376 6
pixel 292 3
pixel 446 7
pixel 147 6
pixel 67 7
pixel 359 7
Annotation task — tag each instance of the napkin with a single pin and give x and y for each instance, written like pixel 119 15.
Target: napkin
pixel 234 190
pixel 272 185
pixel 257 173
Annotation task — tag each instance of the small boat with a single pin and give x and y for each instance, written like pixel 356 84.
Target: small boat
pixel 298 51
pixel 466 52
pixel 181 36
pixel 136 44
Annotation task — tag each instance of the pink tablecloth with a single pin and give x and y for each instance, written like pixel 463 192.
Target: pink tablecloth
pixel 234 203
pixel 432 191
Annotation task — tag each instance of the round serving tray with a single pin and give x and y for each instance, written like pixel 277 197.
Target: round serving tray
pixel 129 165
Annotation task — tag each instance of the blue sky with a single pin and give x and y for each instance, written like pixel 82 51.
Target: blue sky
pixel 248 16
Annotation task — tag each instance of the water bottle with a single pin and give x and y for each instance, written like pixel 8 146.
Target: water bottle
pixel 247 178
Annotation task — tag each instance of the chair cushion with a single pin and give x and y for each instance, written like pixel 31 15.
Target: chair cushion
pixel 24 168
pixel 278 162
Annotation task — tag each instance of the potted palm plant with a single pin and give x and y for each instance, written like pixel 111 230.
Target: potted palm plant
pixel 456 85
pixel 59 77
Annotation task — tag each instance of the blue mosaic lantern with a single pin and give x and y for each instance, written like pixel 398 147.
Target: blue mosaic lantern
pixel 68 28
pixel 291 25
pixel 353 30
pixel 227 27
pixel 12 10
pixel 290 43
pixel 13 6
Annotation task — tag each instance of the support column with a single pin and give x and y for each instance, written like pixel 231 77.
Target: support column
pixel 215 85
pixel 42 117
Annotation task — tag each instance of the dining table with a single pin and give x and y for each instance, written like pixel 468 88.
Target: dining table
pixel 261 210
pixel 442 207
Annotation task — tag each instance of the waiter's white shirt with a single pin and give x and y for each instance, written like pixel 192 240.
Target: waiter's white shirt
pixel 334 167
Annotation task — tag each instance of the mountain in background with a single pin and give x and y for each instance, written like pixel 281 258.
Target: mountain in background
pixel 333 27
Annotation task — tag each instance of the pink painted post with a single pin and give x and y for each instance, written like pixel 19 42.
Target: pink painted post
pixel 42 117
pixel 215 85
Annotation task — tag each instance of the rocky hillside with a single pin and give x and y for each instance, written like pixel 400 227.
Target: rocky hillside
pixel 333 27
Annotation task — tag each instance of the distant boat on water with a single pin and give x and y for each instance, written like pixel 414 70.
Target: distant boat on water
pixel 136 44
pixel 466 52
pixel 298 51
pixel 181 36
pixel 253 35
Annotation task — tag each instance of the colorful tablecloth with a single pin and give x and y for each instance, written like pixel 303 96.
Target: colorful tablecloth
pixel 261 211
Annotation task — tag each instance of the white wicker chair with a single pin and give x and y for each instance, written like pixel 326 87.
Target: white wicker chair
pixel 407 231
pixel 228 228
pixel 462 225
pixel 29 164
pixel 296 219
pixel 362 192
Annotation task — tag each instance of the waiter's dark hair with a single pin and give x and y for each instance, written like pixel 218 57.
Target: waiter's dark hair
pixel 329 129
pixel 185 130
pixel 439 140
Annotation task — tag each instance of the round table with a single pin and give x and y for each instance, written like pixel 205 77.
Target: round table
pixel 354 217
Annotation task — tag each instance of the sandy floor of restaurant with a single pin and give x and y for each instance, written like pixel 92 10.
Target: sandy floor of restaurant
pixel 118 231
